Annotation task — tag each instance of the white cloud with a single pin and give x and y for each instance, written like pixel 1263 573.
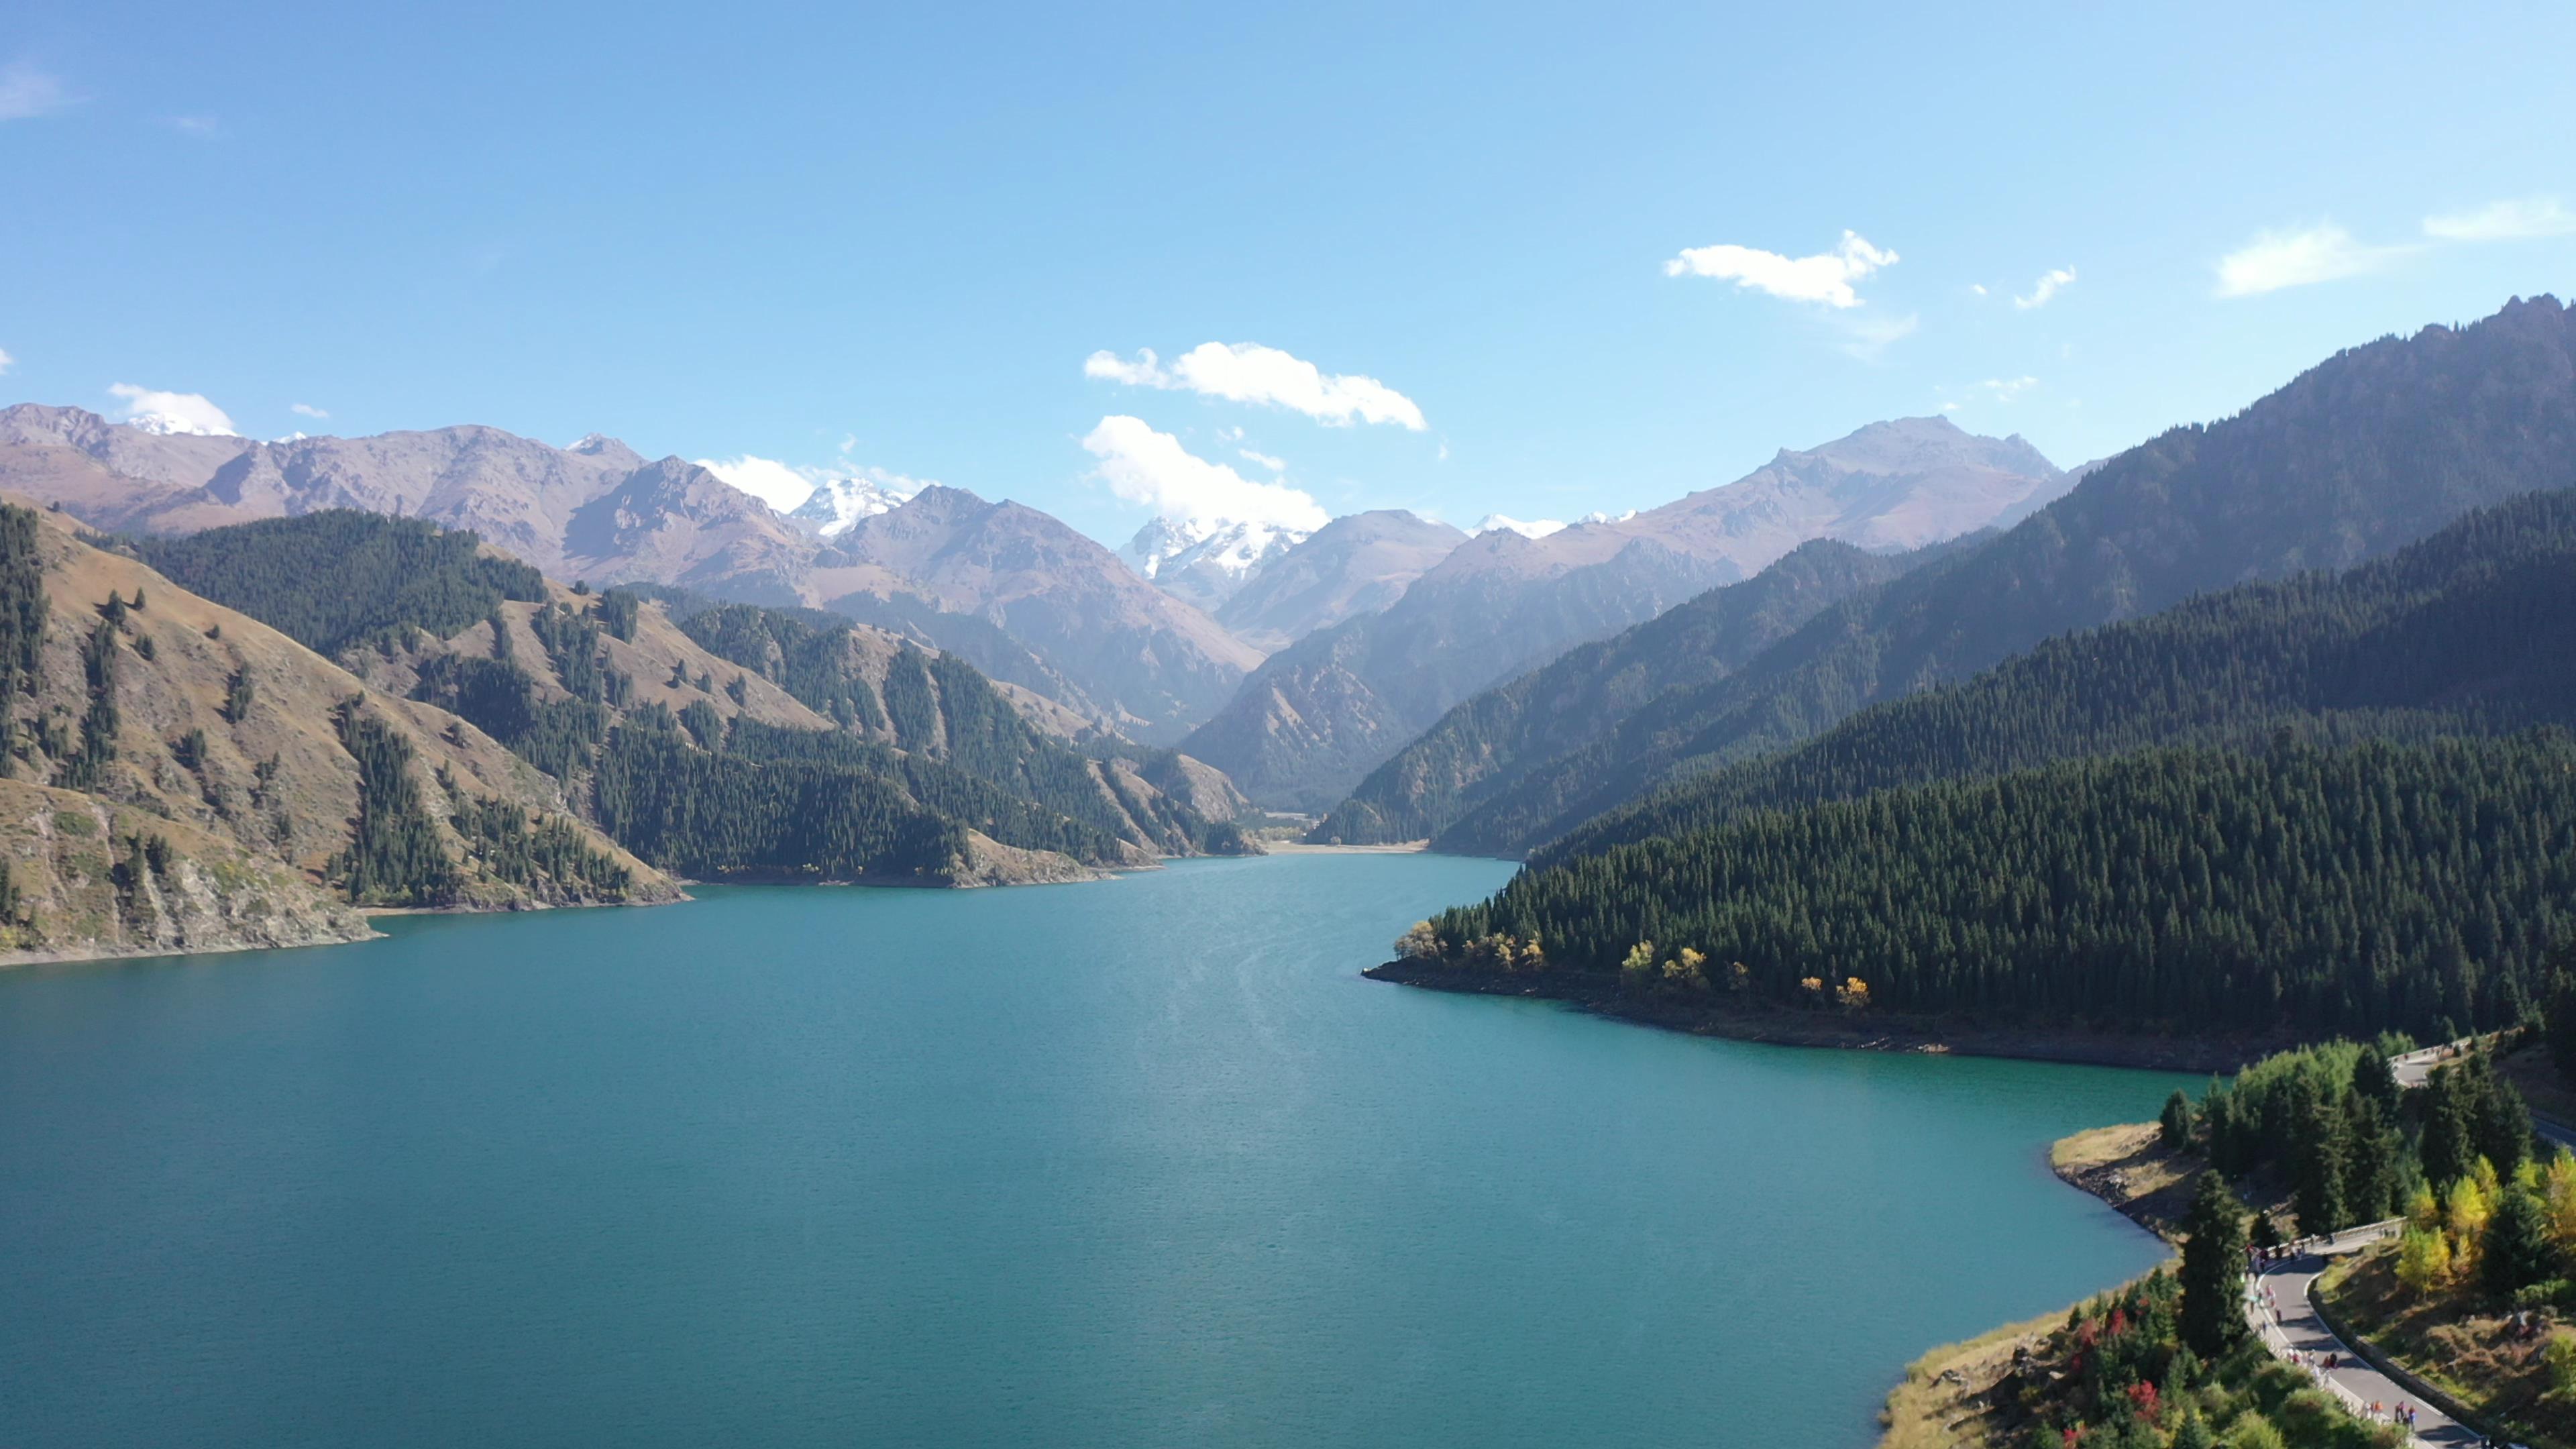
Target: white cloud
pixel 1977 287
pixel 6 361
pixel 785 485
pixel 1826 277
pixel 1144 466
pixel 306 410
pixel 1275 465
pixel 2005 389
pixel 2517 220
pixel 1250 372
pixel 172 412
pixel 2048 285
pixel 767 479
pixel 27 92
pixel 207 127
pixel 2277 259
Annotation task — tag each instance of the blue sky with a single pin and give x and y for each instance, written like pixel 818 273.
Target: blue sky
pixel 867 236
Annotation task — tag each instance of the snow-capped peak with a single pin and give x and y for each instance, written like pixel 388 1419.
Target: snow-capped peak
pixel 837 503
pixel 1525 527
pixel 1220 545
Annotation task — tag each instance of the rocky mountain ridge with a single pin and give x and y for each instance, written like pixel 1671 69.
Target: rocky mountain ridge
pixel 1323 712
pixel 1088 633
pixel 2358 456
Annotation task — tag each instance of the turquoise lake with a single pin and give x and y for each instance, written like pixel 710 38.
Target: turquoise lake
pixel 1143 1162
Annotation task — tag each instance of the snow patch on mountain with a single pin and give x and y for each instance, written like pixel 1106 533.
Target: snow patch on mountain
pixel 837 503
pixel 1542 527
pixel 1171 544
pixel 1206 556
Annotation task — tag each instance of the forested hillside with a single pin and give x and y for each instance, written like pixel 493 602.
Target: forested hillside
pixel 180 776
pixel 337 578
pixel 738 741
pixel 1479 748
pixel 2464 632
pixel 2408 887
pixel 2364 453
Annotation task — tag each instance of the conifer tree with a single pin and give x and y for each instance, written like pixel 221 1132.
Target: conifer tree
pixel 2515 1251
pixel 2175 1121
pixel 2374 1079
pixel 2323 1160
pixel 2213 1269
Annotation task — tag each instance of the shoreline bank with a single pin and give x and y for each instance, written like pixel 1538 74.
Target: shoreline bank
pixel 1601 996
pixel 1299 847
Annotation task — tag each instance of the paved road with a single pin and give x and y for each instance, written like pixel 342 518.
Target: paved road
pixel 2292 1327
pixel 2416 1067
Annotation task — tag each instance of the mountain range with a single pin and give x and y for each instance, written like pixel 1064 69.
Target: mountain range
pixel 2261 729
pixel 1139 660
pixel 2364 453
pixel 290 684
pixel 1151 644
pixel 1320 714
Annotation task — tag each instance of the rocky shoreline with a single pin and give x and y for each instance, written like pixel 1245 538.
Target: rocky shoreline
pixel 1601 995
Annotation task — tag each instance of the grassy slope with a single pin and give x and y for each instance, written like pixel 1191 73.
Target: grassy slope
pixel 1947 1399
pixel 2457 1341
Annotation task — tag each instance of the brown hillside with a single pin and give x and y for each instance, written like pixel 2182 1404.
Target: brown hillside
pixel 273 784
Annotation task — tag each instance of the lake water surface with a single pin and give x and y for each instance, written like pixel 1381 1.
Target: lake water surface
pixel 1135 1163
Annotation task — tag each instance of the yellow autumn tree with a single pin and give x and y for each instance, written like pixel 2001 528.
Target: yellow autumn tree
pixel 2466 1210
pixel 1684 972
pixel 1417 943
pixel 1853 994
pixel 2558 1198
pixel 1739 978
pixel 1637 969
pixel 2424 1210
pixel 2423 1261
